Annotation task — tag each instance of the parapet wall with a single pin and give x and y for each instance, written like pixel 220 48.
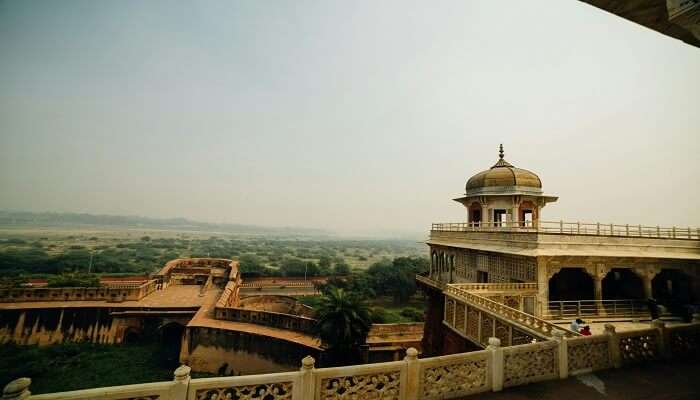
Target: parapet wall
pixel 276 311
pixel 452 376
pixel 112 293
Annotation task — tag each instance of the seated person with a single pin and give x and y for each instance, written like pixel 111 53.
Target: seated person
pixel 586 331
pixel 576 324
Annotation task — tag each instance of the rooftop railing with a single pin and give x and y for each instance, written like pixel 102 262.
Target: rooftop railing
pixel 571 228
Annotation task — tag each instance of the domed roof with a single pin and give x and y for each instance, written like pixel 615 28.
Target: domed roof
pixel 503 174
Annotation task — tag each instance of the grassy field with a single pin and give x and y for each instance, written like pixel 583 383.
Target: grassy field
pixel 73 366
pixel 115 250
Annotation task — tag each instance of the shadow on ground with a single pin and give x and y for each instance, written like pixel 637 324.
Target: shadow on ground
pixel 653 381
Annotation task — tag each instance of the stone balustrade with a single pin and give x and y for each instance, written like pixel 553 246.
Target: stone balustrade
pixel 498 287
pixel 111 292
pixel 571 228
pixel 539 327
pixel 442 377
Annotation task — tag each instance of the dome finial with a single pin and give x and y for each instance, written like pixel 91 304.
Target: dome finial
pixel 500 151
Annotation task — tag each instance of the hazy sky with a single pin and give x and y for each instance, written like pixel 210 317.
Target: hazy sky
pixel 352 116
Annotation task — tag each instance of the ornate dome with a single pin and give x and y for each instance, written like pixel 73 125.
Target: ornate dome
pixel 503 174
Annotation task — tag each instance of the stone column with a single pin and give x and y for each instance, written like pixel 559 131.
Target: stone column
pixel 597 288
pixel 542 286
pixel 648 291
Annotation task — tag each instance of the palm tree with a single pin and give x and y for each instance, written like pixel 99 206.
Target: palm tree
pixel 343 323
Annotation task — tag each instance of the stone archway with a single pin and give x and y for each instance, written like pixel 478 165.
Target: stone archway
pixel 671 286
pixel 171 335
pixel 622 283
pixel 132 336
pixel 571 284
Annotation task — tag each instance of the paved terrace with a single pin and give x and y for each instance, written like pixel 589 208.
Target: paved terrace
pixel 657 381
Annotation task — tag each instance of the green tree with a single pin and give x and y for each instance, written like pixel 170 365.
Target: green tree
pixel 341 268
pixel 74 279
pixel 297 267
pixel 252 265
pixel 343 323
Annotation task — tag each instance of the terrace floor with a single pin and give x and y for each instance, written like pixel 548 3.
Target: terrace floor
pixel 653 381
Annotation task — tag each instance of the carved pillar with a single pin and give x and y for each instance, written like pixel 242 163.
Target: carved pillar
pixel 647 273
pixel 648 291
pixel 598 288
pixel 544 274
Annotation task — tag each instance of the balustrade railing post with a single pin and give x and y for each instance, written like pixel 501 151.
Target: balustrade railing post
pixel 627 229
pixel 496 367
pixel 307 388
pixel 597 228
pixel 664 345
pixel 17 389
pixel 658 231
pixel 558 336
pixel 181 377
pixel 578 308
pixel 578 227
pixel 613 345
pixel 410 388
pixel 561 226
pixel 673 232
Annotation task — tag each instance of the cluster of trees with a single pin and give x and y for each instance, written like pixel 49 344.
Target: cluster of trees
pixel 344 314
pixel 252 265
pixel 74 279
pixel 395 278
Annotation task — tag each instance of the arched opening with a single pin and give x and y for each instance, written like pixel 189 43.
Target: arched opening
pixel 571 284
pixel 622 283
pixel 527 213
pixel 671 286
pixel 475 212
pixel 132 336
pixel 171 339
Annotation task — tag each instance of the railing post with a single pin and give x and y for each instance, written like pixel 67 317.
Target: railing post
pixel 613 345
pixel 496 369
pixel 673 232
pixel 663 338
pixel 578 228
pixel 17 389
pixel 627 229
pixel 181 376
pixel 412 374
pixel 658 231
pixel 597 228
pixel 561 226
pixel 307 388
pixel 558 336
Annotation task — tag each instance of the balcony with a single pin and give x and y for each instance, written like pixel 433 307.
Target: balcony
pixel 571 228
pixel 576 239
